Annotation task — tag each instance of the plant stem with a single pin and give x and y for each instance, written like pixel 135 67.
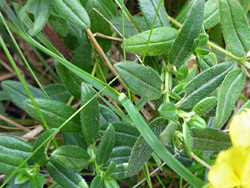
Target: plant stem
pixel 103 56
pixel 216 47
pixel 151 31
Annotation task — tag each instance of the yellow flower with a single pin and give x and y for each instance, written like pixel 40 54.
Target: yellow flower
pixel 232 166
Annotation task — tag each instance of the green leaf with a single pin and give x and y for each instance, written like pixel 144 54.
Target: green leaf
pixel 148 9
pixel 9 163
pixel 205 105
pixel 183 70
pixel 110 169
pixel 82 57
pixel 229 93
pixel 189 31
pixel 209 139
pixel 155 144
pixel 121 171
pixel 55 114
pixel 245 5
pixel 120 155
pixel 17 93
pixel 141 151
pixel 107 115
pixel 106 146
pixel 98 24
pixel 167 110
pixel 111 183
pixel 37 181
pixel 75 139
pixel 22 177
pixel 40 156
pixel 160 42
pixel 235 27
pixel 89 114
pixel 65 177
pixel 57 92
pixel 142 80
pixel 204 61
pixel 167 133
pixel 15 146
pixel 186 137
pixel 97 182
pixel 197 121
pixel 59 25
pixel 128 26
pixel 125 134
pixel 71 157
pixel 4 96
pixel 41 11
pixel 71 81
pixel 73 12
pixel 211 14
pixel 205 84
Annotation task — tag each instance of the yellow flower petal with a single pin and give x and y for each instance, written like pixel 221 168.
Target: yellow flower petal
pixel 231 169
pixel 239 129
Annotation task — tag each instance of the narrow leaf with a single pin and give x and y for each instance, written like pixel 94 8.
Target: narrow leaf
pixel 209 139
pixel 120 155
pixel 71 81
pixel 141 151
pixel 205 105
pixel 155 144
pixel 189 31
pixel 107 115
pixel 71 157
pixel 160 42
pixel 57 92
pixel 55 114
pixel 229 93
pixel 89 114
pixel 148 9
pixel 40 156
pixel 73 12
pixel 9 163
pixel 97 182
pixel 65 177
pixel 17 93
pixel 211 14
pixel 142 80
pixel 106 146
pixel 15 146
pixel 235 27
pixel 125 134
pixel 205 84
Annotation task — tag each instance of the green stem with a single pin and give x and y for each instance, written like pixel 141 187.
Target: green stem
pixel 151 31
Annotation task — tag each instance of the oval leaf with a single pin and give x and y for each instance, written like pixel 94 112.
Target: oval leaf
pixel 73 12
pixel 57 92
pixel 71 157
pixel 55 114
pixel 148 9
pixel 37 181
pixel 65 177
pixel 142 80
pixel 160 42
pixel 229 93
pixel 89 114
pixel 205 84
pixel 189 31
pixel 107 115
pixel 120 155
pixel 15 146
pixel 141 151
pixel 97 182
pixel 106 146
pixel 235 27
